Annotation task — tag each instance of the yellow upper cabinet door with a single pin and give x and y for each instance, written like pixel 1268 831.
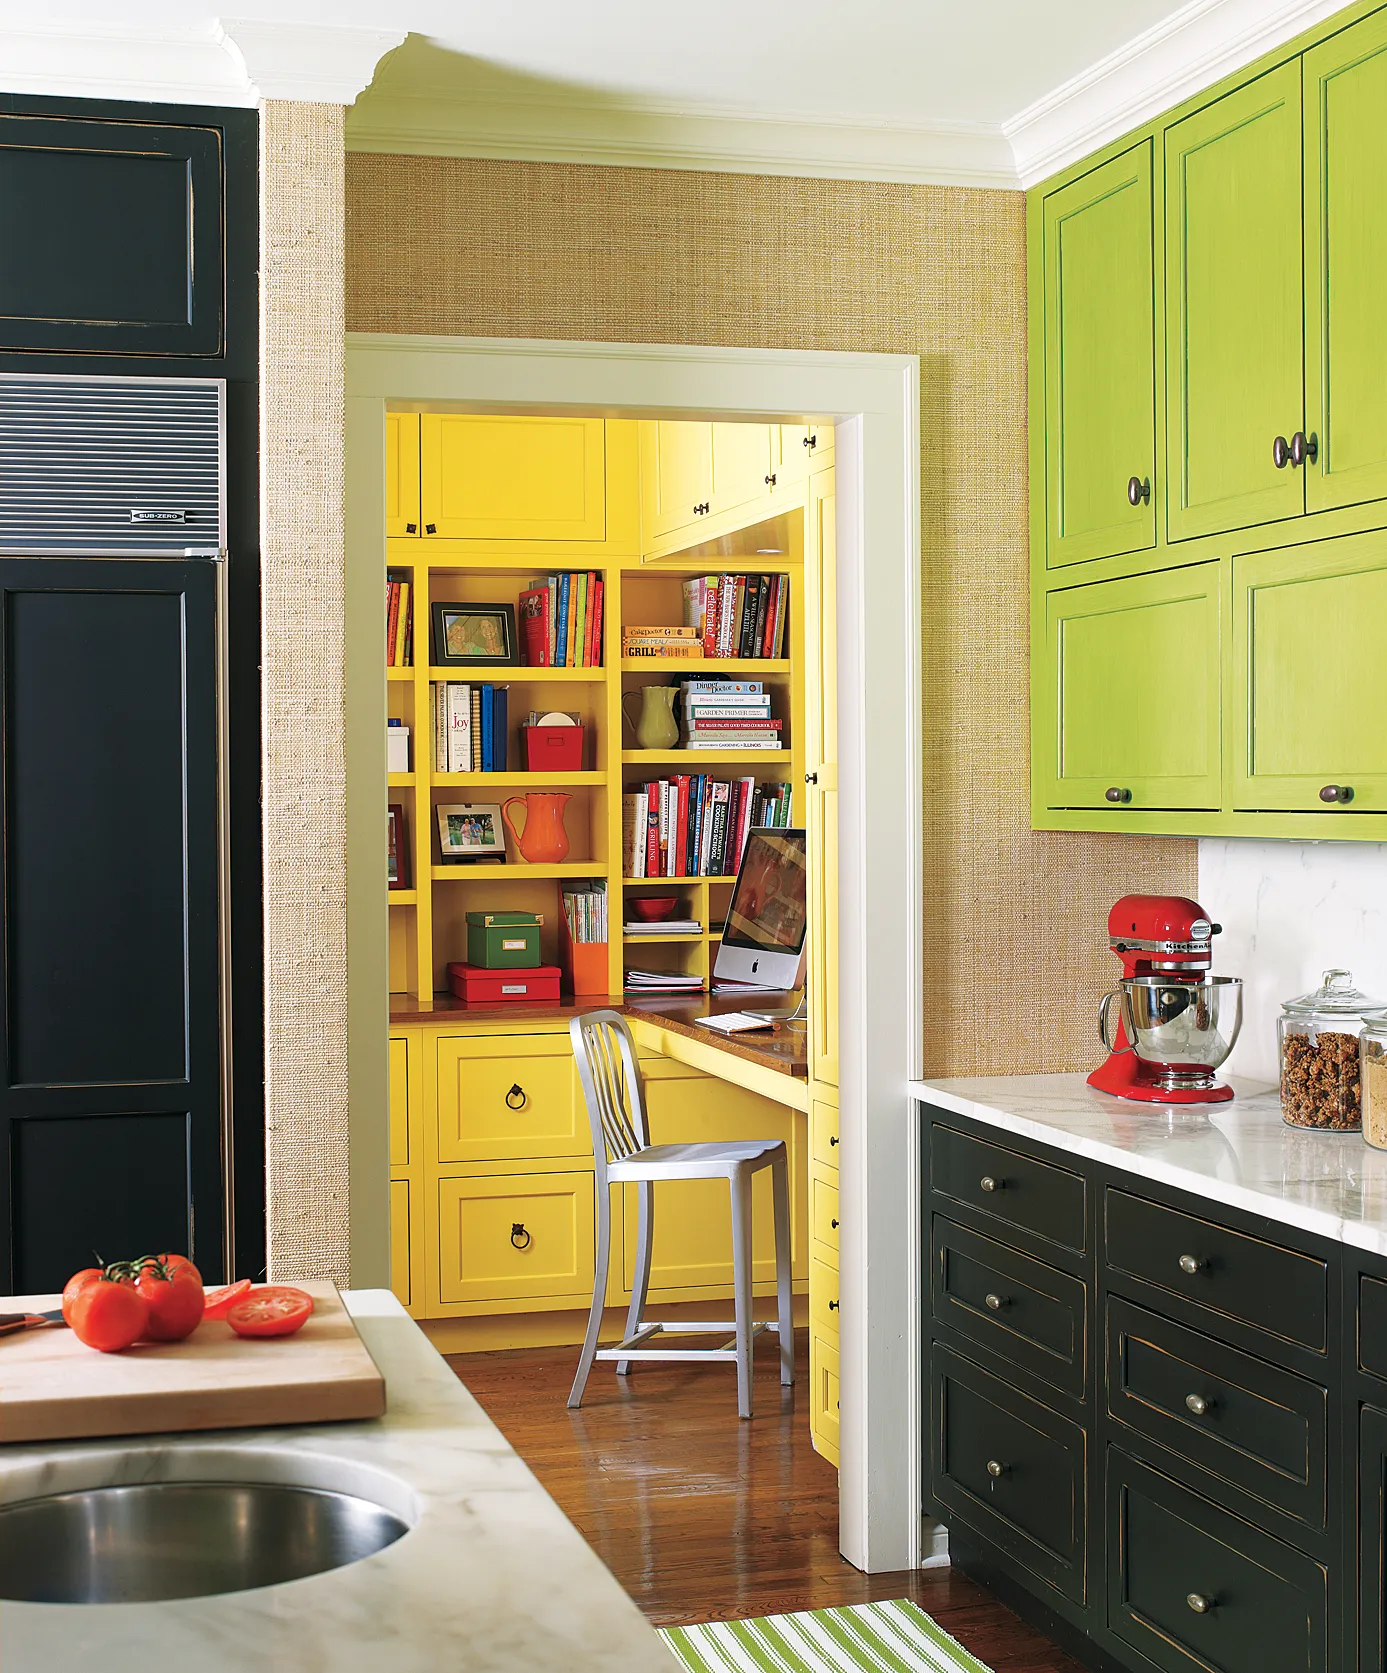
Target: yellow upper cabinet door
pixel 821 760
pixel 676 476
pixel 1100 363
pixel 1345 265
pixel 741 464
pixel 509 1098
pixel 490 478
pixel 1310 680
pixel 1234 309
pixel 402 473
pixel 789 456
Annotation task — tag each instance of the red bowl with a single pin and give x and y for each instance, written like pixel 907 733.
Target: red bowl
pixel 651 908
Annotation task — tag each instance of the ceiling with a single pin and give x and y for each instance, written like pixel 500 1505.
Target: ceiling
pixel 990 92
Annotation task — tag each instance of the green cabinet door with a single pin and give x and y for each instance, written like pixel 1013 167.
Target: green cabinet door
pixel 1100 367
pixel 1234 308
pixel 1309 683
pixel 1128 701
pixel 1346 265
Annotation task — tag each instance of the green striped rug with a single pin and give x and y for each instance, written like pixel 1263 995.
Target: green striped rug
pixel 878 1637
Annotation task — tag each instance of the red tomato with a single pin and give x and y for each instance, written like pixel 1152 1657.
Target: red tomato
pixel 273 1310
pixel 174 1298
pixel 179 1263
pixel 108 1316
pixel 218 1303
pixel 76 1284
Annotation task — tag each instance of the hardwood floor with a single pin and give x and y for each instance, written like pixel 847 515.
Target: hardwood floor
pixel 702 1517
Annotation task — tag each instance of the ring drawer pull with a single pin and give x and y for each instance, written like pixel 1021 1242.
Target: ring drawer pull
pixel 1199 1603
pixel 989 1184
pixel 516 1092
pixel 1197 1404
pixel 993 1303
pixel 996 1470
pixel 1190 1264
pixel 519 1237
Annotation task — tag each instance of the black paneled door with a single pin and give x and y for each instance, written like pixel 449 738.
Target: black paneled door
pixel 110 1051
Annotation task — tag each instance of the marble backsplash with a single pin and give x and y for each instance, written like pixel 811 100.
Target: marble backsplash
pixel 1290 911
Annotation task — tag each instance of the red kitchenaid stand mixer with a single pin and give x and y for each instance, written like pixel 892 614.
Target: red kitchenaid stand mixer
pixel 1165 943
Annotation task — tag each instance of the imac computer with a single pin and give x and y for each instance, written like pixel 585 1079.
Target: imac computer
pixel 763 942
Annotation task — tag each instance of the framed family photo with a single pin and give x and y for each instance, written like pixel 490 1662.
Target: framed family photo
pixel 471 831
pixel 473 635
pixel 397 849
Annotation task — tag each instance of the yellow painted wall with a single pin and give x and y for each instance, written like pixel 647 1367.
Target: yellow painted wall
pixel 489 248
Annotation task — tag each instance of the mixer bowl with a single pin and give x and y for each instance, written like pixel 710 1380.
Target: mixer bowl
pixel 1183 1029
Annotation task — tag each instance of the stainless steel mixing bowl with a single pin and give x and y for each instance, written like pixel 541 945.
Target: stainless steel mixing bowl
pixel 1185 1029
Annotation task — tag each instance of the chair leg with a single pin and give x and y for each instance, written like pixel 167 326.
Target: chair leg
pixel 645 1234
pixel 740 1181
pixel 599 1295
pixel 780 1183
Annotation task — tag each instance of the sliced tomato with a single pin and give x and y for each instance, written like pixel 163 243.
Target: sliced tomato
pixel 273 1310
pixel 220 1302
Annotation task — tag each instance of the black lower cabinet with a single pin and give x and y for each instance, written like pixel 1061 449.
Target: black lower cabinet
pixel 1372 1539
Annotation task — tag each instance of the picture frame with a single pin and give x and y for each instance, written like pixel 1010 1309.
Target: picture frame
pixel 471 831
pixel 467 635
pixel 397 847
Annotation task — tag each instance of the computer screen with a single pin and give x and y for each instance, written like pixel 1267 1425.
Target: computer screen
pixel 763 941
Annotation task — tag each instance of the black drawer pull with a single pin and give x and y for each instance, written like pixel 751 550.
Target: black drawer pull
pixel 833 1224
pixel 519 1237
pixel 411 528
pixel 833 1306
pixel 516 1092
pixel 430 528
pixel 1190 1264
pixel 1197 1404
pixel 832 1139
pixel 994 1303
pixel 1199 1603
pixel 989 1184
pixel 996 1470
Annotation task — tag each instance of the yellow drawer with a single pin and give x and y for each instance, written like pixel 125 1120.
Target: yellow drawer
pixel 823 1133
pixel 509 1098
pixel 823 1395
pixel 823 1216
pixel 399 1239
pixel 823 1297
pixel 399 1103
pixel 515 1237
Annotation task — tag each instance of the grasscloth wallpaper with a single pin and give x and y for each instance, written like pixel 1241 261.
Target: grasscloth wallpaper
pixel 1014 919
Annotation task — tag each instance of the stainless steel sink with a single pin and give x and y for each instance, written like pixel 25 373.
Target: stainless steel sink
pixel 179 1539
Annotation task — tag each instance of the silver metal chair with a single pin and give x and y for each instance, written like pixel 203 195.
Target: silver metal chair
pixel 623 1153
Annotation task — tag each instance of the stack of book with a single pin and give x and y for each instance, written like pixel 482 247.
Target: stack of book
pixel 729 714
pixel 586 913
pixel 738 615
pixel 399 623
pixel 692 825
pixel 662 981
pixel 663 926
pixel 666 643
pixel 470 727
pixel 561 621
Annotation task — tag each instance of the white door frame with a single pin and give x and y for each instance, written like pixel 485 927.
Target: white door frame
pixel 875 400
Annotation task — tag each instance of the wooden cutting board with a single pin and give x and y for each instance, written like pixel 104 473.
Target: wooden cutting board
pixel 52 1388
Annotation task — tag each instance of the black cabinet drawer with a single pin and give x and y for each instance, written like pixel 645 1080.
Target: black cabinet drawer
pixel 1250 1423
pixel 1029 1313
pixel 1012 1188
pixel 1193 1588
pixel 1372 1325
pixel 1239 1277
pixel 1011 1468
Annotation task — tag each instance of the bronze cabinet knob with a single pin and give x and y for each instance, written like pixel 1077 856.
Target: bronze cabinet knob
pixel 1139 490
pixel 988 1183
pixel 1189 1264
pixel 1197 1404
pixel 1281 453
pixel 1199 1603
pixel 995 1469
pixel 1339 793
pixel 1304 448
pixel 1116 793
pixel 993 1303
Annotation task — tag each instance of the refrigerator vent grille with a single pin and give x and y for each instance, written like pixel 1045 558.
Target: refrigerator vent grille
pixel 110 465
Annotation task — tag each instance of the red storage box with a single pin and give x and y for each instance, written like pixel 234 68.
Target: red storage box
pixel 499 987
pixel 553 749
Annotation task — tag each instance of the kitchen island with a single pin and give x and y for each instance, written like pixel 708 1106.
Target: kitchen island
pixel 1156 1369
pixel 490 1578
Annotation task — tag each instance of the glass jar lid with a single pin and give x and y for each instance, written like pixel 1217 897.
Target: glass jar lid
pixel 1336 996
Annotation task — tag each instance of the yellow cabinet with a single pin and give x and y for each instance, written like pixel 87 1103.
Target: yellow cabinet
pixel 399 1102
pixel 741 464
pixel 823 1395
pixel 509 1098
pixel 497 478
pixel 823 1215
pixel 821 759
pixel 676 474
pixel 402 473
pixel 704 476
pixel 400 1231
pixel 823 1132
pixel 517 1238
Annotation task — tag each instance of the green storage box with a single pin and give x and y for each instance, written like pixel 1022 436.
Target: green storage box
pixel 504 940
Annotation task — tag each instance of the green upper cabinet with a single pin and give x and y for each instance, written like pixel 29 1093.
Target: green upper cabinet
pixel 1100 368
pixel 1346 265
pixel 1309 687
pixel 1110 738
pixel 1234 309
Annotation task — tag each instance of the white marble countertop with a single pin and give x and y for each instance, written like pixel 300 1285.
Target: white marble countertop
pixel 491 1578
pixel 1240 1152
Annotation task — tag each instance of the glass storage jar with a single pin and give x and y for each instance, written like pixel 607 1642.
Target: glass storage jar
pixel 1373 1072
pixel 1320 1075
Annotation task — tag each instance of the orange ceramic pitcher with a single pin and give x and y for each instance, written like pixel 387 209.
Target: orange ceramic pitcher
pixel 544 840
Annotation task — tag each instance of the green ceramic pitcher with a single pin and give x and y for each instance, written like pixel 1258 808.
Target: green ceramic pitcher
pixel 655 727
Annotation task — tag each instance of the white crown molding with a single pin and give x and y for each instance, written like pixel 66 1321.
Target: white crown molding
pixel 95 61
pixel 1176 59
pixel 305 62
pixel 654 134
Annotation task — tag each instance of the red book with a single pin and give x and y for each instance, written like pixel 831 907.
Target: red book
pixel 772 605
pixel 534 627
pixel 679 844
pixel 756 725
pixel 600 592
pixel 652 833
pixel 710 616
pixel 392 620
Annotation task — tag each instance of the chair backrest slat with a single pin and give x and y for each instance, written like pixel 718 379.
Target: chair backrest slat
pixel 611 1082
